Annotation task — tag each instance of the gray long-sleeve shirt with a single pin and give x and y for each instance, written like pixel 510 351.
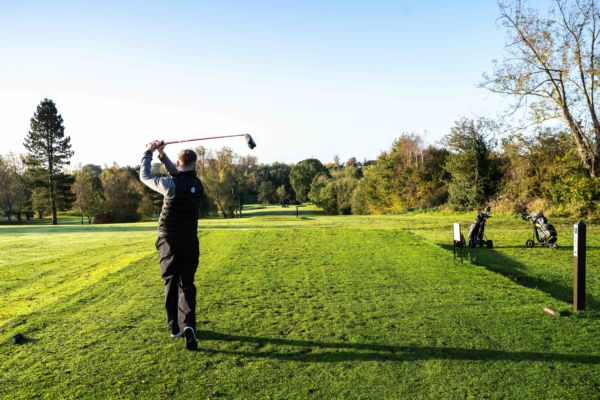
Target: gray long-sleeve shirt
pixel 164 185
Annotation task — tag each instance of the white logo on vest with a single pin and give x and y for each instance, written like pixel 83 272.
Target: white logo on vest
pixel 193 189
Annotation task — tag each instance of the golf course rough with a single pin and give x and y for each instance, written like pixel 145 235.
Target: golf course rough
pixel 321 307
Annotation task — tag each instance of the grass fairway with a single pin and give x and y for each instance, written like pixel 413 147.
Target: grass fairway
pixel 321 307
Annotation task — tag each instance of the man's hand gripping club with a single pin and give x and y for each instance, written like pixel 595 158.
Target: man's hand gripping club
pixel 156 145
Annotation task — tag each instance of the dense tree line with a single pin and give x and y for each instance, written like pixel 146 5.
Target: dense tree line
pixel 468 169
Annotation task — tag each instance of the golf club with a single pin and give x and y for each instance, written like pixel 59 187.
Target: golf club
pixel 247 136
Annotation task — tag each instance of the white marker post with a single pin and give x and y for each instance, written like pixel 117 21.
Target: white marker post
pixel 458 242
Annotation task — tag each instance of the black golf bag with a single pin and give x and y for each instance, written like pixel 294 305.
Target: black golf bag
pixel 476 231
pixel 543 232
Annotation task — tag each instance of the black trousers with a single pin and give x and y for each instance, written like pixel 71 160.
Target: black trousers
pixel 178 263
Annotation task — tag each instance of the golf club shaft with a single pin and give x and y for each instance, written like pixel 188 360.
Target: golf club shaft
pixel 204 138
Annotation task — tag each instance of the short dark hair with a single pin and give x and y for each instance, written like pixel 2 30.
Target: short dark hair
pixel 187 158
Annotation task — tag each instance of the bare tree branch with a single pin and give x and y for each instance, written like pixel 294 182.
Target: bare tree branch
pixel 553 59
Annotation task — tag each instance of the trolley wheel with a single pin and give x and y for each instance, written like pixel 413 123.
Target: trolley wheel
pixel 489 244
pixel 529 243
pixel 554 246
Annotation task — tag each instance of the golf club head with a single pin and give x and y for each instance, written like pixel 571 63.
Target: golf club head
pixel 250 141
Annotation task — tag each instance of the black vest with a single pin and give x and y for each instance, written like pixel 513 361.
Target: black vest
pixel 179 215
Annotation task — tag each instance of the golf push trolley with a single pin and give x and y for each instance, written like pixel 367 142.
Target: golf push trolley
pixel 543 232
pixel 476 235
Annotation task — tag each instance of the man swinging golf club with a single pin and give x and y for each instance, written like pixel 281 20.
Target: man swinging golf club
pixel 177 242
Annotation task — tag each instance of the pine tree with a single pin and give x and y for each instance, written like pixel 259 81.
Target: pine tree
pixel 49 150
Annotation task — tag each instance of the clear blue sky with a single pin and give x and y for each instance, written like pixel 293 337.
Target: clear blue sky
pixel 307 78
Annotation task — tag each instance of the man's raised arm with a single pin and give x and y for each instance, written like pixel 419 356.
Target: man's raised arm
pixel 162 185
pixel 162 156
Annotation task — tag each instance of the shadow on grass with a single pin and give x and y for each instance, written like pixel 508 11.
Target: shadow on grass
pixel 378 352
pixel 518 272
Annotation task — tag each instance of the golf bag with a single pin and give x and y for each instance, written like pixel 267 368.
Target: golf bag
pixel 476 231
pixel 543 232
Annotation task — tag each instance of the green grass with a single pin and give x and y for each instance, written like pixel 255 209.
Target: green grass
pixel 322 307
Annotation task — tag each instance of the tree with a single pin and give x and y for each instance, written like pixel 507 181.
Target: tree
pixel 375 193
pixel 351 162
pixel 302 175
pixel 12 187
pixel 334 192
pixel 276 174
pixel 266 192
pixel 49 149
pixel 245 167
pixel 335 164
pixel 40 198
pixel 322 193
pixel 64 196
pixel 95 171
pixel 345 184
pixel 226 178
pixel 475 170
pixel 553 61
pixel 546 167
pixel 122 193
pixel 408 176
pixel 88 198
pixel 281 194
pixel 40 201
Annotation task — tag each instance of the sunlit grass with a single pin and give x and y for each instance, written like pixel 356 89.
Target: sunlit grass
pixel 315 306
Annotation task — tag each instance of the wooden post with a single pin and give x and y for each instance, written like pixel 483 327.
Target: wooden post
pixel 297 212
pixel 579 237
